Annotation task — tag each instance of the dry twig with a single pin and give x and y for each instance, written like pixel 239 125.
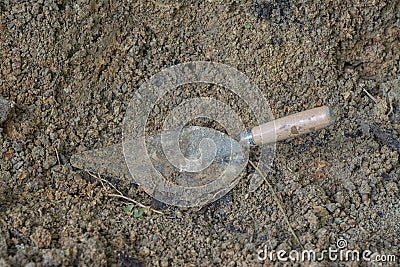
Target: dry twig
pixel 57 155
pixel 120 195
pixel 370 96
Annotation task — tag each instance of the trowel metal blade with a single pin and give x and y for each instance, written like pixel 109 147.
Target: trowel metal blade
pixel 110 160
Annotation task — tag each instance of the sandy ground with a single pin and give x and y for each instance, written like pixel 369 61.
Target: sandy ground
pixel 71 68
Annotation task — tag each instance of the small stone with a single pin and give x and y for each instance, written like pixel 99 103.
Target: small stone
pixel 312 219
pixel 41 237
pixel 381 110
pixel 365 128
pixel 63 159
pixel 346 95
pixel 365 188
pixel 23 175
pixel 5 108
pixel 3 238
pixel 331 207
pixel 322 164
pixel 321 211
pixel 349 185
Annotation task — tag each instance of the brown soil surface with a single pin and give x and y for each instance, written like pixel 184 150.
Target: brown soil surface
pixel 71 68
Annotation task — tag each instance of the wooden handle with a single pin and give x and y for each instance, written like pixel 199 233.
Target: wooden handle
pixel 292 125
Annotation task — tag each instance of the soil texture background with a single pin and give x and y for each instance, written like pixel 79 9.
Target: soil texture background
pixel 70 69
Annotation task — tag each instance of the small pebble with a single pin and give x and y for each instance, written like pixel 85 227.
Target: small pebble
pixel 5 108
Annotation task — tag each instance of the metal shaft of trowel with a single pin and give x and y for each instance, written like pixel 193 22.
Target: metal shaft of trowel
pixel 289 126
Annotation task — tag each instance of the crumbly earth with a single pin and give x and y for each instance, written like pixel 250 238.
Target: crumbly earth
pixel 71 68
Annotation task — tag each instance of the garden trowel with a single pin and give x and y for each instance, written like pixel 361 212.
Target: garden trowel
pixel 208 159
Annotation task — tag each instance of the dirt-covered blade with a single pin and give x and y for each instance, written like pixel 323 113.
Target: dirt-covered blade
pixel 110 160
